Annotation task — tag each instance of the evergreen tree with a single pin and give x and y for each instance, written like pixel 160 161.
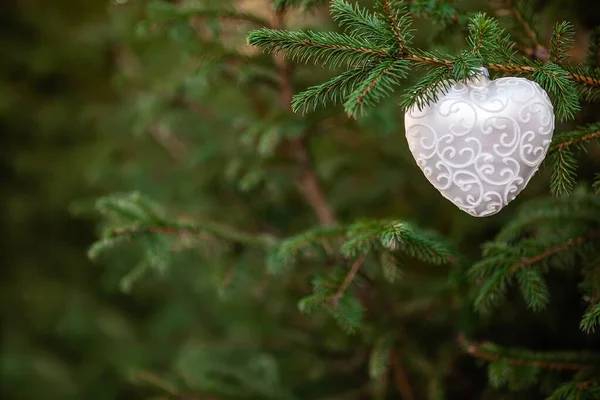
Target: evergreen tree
pixel 296 248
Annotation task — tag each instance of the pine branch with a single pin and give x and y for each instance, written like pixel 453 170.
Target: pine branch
pixel 569 361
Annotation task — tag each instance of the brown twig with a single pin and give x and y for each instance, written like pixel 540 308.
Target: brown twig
pixel 590 136
pixel 165 386
pixel 529 31
pixel 506 68
pixel 370 87
pixel 394 24
pixel 349 278
pixel 171 143
pixel 400 376
pixel 479 351
pixel 308 183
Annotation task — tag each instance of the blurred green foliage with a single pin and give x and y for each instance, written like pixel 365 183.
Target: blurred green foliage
pixel 71 130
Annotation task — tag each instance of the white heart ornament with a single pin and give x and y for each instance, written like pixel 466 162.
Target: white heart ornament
pixel 482 141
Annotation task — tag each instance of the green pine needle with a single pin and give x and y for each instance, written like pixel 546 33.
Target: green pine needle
pixel 591 319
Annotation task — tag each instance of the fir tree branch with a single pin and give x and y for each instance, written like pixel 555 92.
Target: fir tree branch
pixel 579 136
pixel 525 262
pixel 308 183
pixel 164 12
pixel 333 49
pixel 529 31
pixel 347 280
pixel 561 42
pixel 183 229
pixel 394 24
pixel 553 361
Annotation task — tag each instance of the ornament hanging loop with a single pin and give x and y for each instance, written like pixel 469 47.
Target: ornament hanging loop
pixel 479 77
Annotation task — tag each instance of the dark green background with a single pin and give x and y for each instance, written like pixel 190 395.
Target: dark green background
pixel 67 333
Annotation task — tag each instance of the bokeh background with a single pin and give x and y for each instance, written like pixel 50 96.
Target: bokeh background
pixel 68 331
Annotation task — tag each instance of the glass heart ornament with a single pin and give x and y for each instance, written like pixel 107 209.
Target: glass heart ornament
pixel 482 141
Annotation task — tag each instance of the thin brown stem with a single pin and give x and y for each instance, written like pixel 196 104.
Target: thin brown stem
pixel 506 68
pixel 525 262
pixel 212 229
pixel 585 138
pixel 349 278
pixel 176 149
pixel 480 351
pixel 390 15
pixel 400 376
pixel 529 31
pixel 308 183
pixel 371 85
pixel 160 383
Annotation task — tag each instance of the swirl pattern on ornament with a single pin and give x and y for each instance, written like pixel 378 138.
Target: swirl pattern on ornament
pixel 482 141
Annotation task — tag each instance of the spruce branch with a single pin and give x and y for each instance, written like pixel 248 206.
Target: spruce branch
pixel 561 42
pixel 165 12
pixel 395 24
pixel 261 240
pixel 563 176
pixel 577 137
pixel 308 182
pixel 335 90
pixel 498 270
pixel 357 21
pixel 593 51
pixel 367 47
pixel 329 48
pixel 526 262
pixel 591 319
pixel 524 18
pixel 588 389
pixel 378 84
pixel 570 361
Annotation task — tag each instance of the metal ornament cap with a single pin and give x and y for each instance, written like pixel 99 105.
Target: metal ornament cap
pixel 482 141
